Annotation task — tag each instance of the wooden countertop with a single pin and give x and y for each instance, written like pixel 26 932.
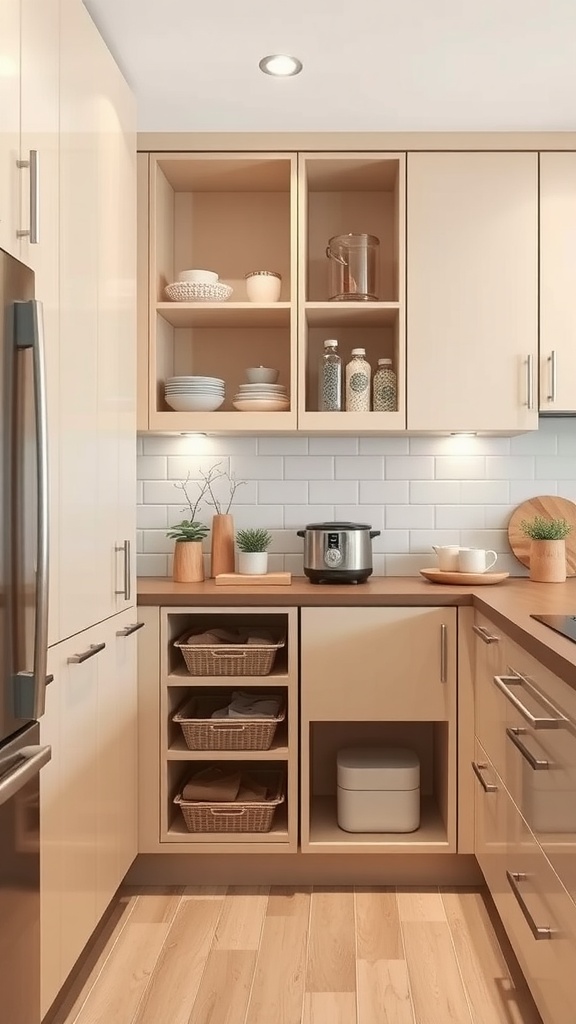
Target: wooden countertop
pixel 508 604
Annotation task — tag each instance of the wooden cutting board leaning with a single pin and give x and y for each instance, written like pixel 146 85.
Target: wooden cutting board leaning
pixel 236 579
pixel 551 507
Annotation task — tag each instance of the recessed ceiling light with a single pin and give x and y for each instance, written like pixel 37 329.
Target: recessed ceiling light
pixel 280 65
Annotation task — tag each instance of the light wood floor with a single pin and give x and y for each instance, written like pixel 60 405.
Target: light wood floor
pixel 299 956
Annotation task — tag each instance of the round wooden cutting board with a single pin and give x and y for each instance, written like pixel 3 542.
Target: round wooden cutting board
pixel 550 507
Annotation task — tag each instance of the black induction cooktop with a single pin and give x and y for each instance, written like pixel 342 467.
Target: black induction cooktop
pixel 564 624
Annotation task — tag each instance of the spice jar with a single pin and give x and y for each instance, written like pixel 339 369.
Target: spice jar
pixel 330 378
pixel 385 388
pixel 263 286
pixel 358 382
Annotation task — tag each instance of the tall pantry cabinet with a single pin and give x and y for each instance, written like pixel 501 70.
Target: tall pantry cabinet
pixel 67 210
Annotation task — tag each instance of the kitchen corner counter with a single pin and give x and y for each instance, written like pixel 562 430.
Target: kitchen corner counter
pixel 508 604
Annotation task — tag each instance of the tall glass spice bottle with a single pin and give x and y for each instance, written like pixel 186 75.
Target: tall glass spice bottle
pixel 358 382
pixel 330 378
pixel 385 388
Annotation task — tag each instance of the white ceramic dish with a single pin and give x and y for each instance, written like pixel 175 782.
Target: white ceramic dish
pixel 195 403
pixel 262 396
pixel 261 405
pixel 195 380
pixel 249 388
pixel 262 375
pixel 191 291
pixel 197 387
pixel 198 276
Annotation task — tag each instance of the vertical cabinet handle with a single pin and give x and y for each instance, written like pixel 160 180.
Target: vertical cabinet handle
pixel 529 382
pixel 553 377
pixel 484 635
pixel 127 589
pixel 488 787
pixel 33 232
pixel 443 653
pixel 539 932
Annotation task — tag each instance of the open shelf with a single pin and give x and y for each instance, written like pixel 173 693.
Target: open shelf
pixel 352 314
pixel 279 675
pixel 225 314
pixel 178 751
pixel 326 836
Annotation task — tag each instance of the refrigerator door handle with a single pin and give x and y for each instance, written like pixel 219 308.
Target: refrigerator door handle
pixel 33 759
pixel 29 333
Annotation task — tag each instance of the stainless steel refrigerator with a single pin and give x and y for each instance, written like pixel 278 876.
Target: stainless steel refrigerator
pixel 23 635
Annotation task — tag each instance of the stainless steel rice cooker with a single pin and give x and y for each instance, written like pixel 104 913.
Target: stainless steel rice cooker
pixel 338 552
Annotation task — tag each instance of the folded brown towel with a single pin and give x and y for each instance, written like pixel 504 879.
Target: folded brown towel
pixel 214 784
pixel 251 791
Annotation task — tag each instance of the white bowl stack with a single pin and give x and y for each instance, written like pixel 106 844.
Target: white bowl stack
pixel 261 398
pixel 195 394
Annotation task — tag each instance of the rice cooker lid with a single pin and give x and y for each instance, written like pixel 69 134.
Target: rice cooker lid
pixel 380 768
pixel 338 527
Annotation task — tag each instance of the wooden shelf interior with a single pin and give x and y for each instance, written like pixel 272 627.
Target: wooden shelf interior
pixel 222 213
pixel 428 739
pixel 179 622
pixel 353 194
pixel 379 342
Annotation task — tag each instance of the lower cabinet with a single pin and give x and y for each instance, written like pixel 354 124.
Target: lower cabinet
pixel 89 797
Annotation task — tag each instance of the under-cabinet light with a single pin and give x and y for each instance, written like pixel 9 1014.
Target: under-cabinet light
pixel 192 433
pixel 280 65
pixel 463 433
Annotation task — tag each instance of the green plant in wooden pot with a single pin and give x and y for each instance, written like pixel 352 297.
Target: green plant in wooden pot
pixel 547 548
pixel 253 546
pixel 189 534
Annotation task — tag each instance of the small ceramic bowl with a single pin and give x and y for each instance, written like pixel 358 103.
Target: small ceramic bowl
pixel 261 375
pixel 198 276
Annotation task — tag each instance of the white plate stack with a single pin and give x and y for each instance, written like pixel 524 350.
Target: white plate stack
pixel 195 394
pixel 261 398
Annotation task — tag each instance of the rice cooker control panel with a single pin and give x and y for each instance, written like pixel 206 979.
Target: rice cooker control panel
pixel 332 554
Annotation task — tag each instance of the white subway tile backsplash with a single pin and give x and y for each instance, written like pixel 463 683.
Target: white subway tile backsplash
pixel 417 491
pixel 309 467
pixel 384 491
pixel 284 492
pixel 362 467
pixel 384 446
pixel 409 517
pixel 282 446
pixel 509 563
pixel 331 491
pixel 409 467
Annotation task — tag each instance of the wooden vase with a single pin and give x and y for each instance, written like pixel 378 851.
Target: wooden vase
pixel 188 562
pixel 222 554
pixel 548 561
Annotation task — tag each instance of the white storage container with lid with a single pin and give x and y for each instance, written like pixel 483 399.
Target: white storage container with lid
pixel 378 789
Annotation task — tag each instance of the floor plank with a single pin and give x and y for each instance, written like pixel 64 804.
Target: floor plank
pixel 123 982
pixel 422 904
pixel 286 900
pixel 384 992
pixel 493 995
pixel 225 987
pixel 330 1008
pixel 242 918
pixel 332 945
pixel 278 991
pixel 176 978
pixel 378 935
pixel 437 991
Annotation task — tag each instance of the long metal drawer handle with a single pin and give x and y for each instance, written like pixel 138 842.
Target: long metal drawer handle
pixel 529 382
pixel 553 722
pixel 77 659
pixel 127 589
pixel 33 232
pixel 443 653
pixel 535 763
pixel 484 635
pixel 488 787
pixel 514 877
pixel 34 759
pixel 553 376
pixel 128 630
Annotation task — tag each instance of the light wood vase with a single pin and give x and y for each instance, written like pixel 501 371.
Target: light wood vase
pixel 222 554
pixel 548 561
pixel 188 562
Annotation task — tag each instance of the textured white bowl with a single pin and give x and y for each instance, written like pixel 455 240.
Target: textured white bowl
pixel 198 276
pixel 195 403
pixel 261 375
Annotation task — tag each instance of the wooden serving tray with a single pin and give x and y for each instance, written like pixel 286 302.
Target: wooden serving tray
pixel 551 507
pixel 464 579
pixel 270 579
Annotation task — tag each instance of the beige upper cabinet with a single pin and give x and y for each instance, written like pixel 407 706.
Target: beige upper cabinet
pixel 9 124
pixel 472 272
pixel 557 280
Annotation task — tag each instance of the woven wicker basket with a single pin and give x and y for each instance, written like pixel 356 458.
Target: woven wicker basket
pixel 201 732
pixel 228 659
pixel 203 816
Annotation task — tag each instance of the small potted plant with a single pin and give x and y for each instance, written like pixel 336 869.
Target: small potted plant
pixel 547 548
pixel 253 546
pixel 189 534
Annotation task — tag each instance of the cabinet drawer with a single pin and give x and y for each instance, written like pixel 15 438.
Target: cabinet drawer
pixel 368 664
pixel 536 910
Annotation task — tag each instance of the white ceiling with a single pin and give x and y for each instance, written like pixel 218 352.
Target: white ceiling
pixel 369 65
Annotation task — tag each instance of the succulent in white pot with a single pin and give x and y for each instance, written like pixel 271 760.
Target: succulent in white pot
pixel 253 547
